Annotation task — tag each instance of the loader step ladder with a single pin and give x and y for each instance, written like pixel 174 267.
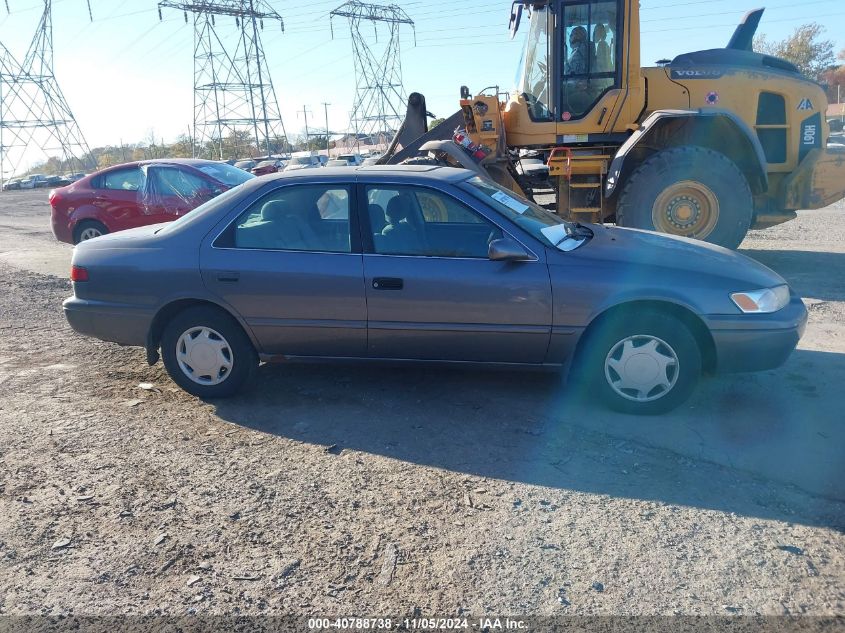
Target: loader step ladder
pixel 580 174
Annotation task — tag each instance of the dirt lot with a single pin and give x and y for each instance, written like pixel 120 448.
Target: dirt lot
pixel 330 490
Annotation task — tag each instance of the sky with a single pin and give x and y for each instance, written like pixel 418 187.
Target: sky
pixel 127 74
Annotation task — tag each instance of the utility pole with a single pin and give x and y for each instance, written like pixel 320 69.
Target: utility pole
pixel 326 109
pixel 233 91
pixel 305 112
pixel 379 95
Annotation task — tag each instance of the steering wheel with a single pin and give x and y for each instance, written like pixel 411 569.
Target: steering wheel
pixel 537 107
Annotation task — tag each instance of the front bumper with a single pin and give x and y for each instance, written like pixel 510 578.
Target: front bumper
pixel 123 324
pixel 757 342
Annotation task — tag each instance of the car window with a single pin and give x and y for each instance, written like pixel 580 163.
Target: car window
pixel 224 173
pixel 172 181
pixel 298 218
pixel 424 222
pixel 124 179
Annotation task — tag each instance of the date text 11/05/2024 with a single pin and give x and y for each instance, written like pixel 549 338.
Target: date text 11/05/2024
pixel 416 624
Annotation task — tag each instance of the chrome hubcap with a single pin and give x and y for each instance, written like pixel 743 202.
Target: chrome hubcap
pixel 641 368
pixel 204 356
pixel 89 233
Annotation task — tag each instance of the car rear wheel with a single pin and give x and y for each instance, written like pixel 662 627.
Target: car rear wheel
pixel 646 363
pixel 88 230
pixel 207 353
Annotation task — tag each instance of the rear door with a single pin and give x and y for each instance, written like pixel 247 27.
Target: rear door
pixel 432 292
pixel 289 266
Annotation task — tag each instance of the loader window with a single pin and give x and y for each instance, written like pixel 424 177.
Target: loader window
pixel 771 126
pixel 534 82
pixel 590 56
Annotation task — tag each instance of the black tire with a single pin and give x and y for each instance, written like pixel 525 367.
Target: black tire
pixel 660 178
pixel 592 372
pixel 241 353
pixel 86 227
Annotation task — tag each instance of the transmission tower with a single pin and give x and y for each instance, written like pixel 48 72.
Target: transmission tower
pixel 379 95
pixel 34 114
pixel 234 99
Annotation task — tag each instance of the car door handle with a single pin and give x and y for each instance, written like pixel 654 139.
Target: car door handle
pixel 228 275
pixel 387 283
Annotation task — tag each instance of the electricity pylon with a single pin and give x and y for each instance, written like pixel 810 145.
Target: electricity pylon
pixel 34 114
pixel 379 94
pixel 233 92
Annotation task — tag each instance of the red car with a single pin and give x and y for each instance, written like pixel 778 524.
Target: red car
pixel 268 167
pixel 135 194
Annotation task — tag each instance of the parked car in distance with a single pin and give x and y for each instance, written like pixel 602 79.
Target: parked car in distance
pixel 420 264
pixel 268 167
pixel 12 184
pixel 352 159
pixel 302 162
pixel 136 194
pixel 55 181
pixel 34 181
pixel 337 162
pixel 73 177
pixel 370 160
pixel 246 164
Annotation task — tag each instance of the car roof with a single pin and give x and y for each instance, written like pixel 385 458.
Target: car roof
pixel 380 172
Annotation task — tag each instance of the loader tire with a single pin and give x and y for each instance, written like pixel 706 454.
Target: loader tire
pixel 689 191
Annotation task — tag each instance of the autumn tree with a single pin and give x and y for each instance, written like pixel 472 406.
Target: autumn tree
pixel 804 48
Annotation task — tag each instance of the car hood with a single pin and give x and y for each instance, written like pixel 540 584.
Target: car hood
pixel 637 248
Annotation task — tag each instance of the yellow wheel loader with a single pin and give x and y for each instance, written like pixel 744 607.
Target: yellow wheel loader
pixel 706 145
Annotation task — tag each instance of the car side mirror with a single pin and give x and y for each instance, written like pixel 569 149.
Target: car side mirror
pixel 507 250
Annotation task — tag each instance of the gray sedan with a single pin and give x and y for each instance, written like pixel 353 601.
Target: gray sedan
pixel 428 264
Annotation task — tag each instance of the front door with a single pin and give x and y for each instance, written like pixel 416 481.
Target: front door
pixel 432 292
pixel 288 267
pixel 172 191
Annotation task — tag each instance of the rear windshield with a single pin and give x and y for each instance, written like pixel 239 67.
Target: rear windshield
pixel 226 174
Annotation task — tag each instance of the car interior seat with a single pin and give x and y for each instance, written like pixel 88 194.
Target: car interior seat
pixel 403 232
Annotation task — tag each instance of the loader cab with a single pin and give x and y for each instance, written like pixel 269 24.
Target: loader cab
pixel 576 61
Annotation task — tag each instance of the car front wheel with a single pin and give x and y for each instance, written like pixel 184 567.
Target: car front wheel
pixel 207 353
pixel 645 363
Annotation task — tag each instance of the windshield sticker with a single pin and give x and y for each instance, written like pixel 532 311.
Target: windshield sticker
pixel 712 98
pixel 510 203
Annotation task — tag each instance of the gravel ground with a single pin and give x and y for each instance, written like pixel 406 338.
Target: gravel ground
pixel 374 491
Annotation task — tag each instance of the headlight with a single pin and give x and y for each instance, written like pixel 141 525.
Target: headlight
pixel 762 301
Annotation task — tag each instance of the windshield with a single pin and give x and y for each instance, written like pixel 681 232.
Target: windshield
pixel 228 175
pixel 547 227
pixel 533 81
pixel 302 160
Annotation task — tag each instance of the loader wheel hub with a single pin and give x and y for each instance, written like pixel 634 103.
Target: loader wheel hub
pixel 687 208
